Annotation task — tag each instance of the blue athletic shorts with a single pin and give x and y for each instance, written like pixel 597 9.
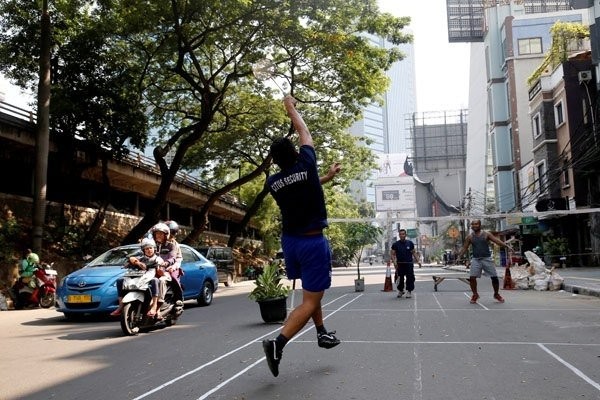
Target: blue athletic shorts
pixel 308 258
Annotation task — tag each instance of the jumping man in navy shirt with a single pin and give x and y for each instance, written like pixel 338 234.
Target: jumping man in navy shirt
pixel 299 195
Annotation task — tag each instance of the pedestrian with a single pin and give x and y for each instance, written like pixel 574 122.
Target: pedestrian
pixel 403 255
pixel 481 259
pixel 297 190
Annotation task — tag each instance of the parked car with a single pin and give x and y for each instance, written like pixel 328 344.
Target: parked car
pixel 223 259
pixel 92 289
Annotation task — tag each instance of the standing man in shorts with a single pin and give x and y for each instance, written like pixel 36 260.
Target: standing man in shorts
pixel 299 195
pixel 481 259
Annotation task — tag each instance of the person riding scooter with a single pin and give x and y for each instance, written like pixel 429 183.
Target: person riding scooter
pixel 149 261
pixel 25 281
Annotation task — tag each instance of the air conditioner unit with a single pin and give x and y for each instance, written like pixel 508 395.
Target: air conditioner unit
pixel 584 76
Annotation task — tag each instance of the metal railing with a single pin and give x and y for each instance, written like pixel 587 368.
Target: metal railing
pixel 20 117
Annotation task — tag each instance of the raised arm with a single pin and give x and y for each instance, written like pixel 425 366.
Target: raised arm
pixel 333 171
pixel 304 135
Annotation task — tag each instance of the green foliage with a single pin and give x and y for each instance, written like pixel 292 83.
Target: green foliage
pixel 358 236
pixel 556 246
pixel 10 233
pixel 268 284
pixel 564 35
pixel 95 92
pixel 185 70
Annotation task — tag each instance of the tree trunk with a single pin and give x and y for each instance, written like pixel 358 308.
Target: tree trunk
pixel 94 228
pixel 250 212
pixel 201 222
pixel 43 134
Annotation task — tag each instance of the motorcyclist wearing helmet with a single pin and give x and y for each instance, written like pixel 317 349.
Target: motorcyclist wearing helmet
pixel 168 251
pixel 175 269
pixel 148 261
pixel 27 267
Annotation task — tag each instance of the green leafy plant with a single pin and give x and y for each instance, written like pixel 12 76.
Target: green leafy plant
pixel 268 285
pixel 556 246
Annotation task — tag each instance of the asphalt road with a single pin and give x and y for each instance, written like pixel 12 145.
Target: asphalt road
pixel 433 346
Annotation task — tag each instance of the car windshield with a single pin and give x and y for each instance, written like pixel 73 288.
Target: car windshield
pixel 117 256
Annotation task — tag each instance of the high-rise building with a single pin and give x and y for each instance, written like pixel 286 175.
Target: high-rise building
pixel 384 125
pixel 516 36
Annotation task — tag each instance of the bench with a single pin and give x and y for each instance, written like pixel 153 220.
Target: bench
pixel 437 279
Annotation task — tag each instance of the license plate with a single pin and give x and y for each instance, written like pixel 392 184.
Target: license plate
pixel 79 298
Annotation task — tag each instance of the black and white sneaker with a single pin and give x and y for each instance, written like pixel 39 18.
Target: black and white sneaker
pixel 327 340
pixel 273 356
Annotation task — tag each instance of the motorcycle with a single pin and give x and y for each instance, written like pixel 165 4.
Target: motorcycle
pixel 38 290
pixel 136 302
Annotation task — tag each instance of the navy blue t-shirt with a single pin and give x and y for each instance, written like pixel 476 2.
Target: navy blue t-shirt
pixel 299 195
pixel 404 251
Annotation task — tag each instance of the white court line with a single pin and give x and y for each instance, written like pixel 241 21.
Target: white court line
pixel 575 370
pixel 172 381
pixel 479 304
pixel 418 384
pixel 225 382
pixel 457 342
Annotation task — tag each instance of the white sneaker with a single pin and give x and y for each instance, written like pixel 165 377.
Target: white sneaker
pixel 400 294
pixel 408 295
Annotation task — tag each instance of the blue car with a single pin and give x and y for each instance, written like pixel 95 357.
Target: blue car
pixel 93 289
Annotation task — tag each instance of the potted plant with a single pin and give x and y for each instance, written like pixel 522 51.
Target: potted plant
pixel 358 236
pixel 554 249
pixel 271 294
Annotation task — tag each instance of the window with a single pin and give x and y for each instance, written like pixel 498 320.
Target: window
pixel 530 46
pixel 542 179
pixel 565 174
pixel 559 117
pixel 537 125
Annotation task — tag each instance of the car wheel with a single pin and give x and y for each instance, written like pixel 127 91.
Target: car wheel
pixel 206 294
pixel 229 280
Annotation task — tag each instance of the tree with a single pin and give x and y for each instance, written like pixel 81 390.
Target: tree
pixel 200 77
pixel 186 66
pixel 361 234
pixel 95 98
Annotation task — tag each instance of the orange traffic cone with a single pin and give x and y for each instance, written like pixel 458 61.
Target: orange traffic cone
pixel 387 286
pixel 508 282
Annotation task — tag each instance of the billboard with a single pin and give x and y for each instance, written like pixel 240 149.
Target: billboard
pixel 395 197
pixel 393 165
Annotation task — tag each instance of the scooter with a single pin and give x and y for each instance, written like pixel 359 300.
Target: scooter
pixel 136 303
pixel 39 290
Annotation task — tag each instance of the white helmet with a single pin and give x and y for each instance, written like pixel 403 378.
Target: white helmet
pixel 161 227
pixel 146 242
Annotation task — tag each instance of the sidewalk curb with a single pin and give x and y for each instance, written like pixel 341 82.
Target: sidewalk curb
pixel 578 289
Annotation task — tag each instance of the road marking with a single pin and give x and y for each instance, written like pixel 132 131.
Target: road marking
pixel 478 303
pixel 252 342
pixel 572 368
